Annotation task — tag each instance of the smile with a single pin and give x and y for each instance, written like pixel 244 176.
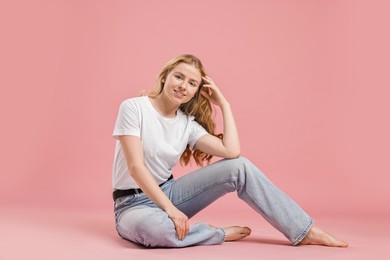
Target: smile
pixel 179 93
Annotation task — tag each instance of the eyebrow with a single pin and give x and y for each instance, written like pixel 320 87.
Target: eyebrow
pixel 184 75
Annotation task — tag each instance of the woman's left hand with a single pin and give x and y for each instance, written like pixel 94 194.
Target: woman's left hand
pixel 212 92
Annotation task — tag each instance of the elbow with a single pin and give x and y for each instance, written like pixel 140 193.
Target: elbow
pixel 233 154
pixel 135 169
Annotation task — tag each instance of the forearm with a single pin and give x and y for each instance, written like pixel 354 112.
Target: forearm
pixel 231 140
pixel 150 187
pixel 132 150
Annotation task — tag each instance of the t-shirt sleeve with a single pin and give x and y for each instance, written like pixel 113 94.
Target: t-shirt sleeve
pixel 197 132
pixel 128 120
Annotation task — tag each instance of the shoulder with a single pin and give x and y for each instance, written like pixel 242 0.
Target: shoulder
pixel 134 102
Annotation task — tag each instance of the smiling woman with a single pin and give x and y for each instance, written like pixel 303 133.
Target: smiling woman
pixel 180 86
pixel 174 123
pixel 190 71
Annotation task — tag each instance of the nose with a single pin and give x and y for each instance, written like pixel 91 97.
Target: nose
pixel 183 84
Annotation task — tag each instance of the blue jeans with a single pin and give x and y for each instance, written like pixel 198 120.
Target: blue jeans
pixel 139 220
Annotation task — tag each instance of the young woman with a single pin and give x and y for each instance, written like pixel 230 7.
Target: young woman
pixel 174 123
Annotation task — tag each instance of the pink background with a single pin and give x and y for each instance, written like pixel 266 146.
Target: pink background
pixel 308 82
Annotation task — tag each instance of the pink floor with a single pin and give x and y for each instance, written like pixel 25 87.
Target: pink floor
pixel 90 234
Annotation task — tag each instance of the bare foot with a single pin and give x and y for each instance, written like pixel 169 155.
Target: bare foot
pixel 317 236
pixel 234 233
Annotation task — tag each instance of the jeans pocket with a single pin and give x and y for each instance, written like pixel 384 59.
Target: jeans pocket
pixel 124 201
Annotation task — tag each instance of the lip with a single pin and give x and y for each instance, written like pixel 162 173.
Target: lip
pixel 179 94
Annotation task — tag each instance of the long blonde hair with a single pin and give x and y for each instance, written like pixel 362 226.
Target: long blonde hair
pixel 198 106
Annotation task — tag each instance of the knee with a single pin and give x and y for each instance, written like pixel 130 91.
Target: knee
pixel 243 168
pixel 239 163
pixel 151 228
pixel 158 231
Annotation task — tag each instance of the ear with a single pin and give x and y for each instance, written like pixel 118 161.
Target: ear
pixel 163 80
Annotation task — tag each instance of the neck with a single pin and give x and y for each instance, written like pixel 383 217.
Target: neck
pixel 162 106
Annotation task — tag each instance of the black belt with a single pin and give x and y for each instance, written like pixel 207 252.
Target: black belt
pixel 120 193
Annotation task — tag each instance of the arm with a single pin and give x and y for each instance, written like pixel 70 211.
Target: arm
pixel 132 150
pixel 229 146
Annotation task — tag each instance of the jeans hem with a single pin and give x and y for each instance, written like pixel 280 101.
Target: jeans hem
pixel 223 234
pixel 304 233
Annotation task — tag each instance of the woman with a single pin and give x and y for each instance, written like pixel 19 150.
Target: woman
pixel 174 123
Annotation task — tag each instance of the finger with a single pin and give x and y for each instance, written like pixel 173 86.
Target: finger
pixel 205 95
pixel 180 236
pixel 177 227
pixel 178 231
pixel 182 230
pixel 187 227
pixel 208 78
pixel 208 86
pixel 208 90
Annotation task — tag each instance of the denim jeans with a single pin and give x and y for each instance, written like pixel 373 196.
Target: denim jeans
pixel 139 220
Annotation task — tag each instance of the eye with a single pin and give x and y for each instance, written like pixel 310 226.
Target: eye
pixel 178 77
pixel 193 84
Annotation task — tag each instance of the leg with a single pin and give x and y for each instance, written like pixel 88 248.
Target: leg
pixel 197 190
pixel 150 226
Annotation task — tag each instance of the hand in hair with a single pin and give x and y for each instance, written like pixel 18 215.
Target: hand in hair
pixel 212 92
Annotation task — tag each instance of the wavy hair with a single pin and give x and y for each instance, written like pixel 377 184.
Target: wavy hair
pixel 198 106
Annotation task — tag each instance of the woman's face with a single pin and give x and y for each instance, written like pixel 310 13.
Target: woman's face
pixel 181 83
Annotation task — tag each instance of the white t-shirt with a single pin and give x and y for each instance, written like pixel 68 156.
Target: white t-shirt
pixel 163 139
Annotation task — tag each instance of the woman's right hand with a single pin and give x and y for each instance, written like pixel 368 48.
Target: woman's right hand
pixel 181 222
